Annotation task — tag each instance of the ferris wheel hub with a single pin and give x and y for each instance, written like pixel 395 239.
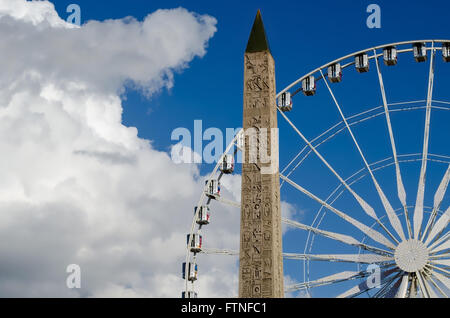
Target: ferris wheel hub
pixel 411 256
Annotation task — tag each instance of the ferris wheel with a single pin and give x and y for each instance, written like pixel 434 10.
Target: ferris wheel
pixel 371 181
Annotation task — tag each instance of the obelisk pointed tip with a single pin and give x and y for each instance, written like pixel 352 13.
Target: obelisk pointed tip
pixel 258 40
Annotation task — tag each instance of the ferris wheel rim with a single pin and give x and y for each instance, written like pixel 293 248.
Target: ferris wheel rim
pixel 426 138
pixel 374 48
pixel 200 203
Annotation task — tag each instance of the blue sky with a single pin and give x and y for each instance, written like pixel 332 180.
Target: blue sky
pixel 303 35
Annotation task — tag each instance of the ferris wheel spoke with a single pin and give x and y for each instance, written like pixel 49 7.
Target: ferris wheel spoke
pixel 306 147
pixel 439 269
pixel 442 247
pixel 440 225
pixel 216 251
pixel 373 234
pixel 296 166
pixel 438 198
pixel 418 211
pixel 293 160
pixel 387 286
pixel 430 278
pixel 331 132
pixel 422 286
pixel 394 288
pixel 443 262
pixel 227 202
pixel 412 293
pixel 403 288
pixel 440 256
pixel 328 280
pixel 441 278
pixel 439 241
pixel 346 239
pixel 365 286
pixel 392 216
pixel 400 187
pixel 346 258
pixel 429 287
pixel 365 206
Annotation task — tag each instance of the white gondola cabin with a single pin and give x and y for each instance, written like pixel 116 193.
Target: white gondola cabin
pixel 203 217
pixel 189 294
pixel 420 52
pixel 309 86
pixel 212 189
pixel 227 164
pixel 390 55
pixel 285 102
pixel 362 63
pixel 446 52
pixel 196 243
pixel 192 270
pixel 335 73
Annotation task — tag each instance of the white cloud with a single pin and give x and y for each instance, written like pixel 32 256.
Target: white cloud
pixel 182 154
pixel 77 186
pixel 101 56
pixel 232 183
pixel 39 13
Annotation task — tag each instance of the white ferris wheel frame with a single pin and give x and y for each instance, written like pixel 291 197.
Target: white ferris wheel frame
pixel 434 228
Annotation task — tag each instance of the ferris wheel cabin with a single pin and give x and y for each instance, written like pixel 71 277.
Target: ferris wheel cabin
pixel 227 164
pixel 309 86
pixel 212 188
pixel 196 242
pixel 362 63
pixel 446 52
pixel 203 217
pixel 189 294
pixel 390 55
pixel 420 52
pixel 285 102
pixel 192 271
pixel 335 73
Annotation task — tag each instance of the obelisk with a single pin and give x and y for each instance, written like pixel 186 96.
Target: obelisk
pixel 260 261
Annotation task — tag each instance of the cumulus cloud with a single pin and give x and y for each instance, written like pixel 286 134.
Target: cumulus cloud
pixel 77 186
pixel 39 13
pixel 183 154
pixel 101 55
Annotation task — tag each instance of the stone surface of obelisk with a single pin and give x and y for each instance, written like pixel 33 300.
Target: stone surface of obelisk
pixel 260 261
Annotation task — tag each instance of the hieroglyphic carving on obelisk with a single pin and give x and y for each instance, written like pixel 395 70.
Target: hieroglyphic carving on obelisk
pixel 260 262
